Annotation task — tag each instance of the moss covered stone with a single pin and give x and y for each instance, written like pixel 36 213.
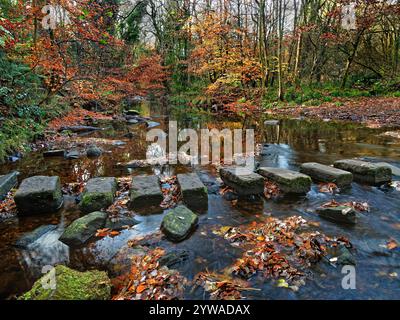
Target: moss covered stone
pixel 39 194
pixel 194 192
pixel 242 180
pixel 179 223
pixel 71 285
pixel 288 181
pixel 82 229
pixel 98 194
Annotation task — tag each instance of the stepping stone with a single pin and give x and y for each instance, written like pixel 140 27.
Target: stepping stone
pixel 7 182
pixel 343 214
pixel 30 237
pixel 193 190
pixel 179 223
pixel 395 170
pixel 320 172
pixel 98 194
pixel 71 285
pixel 288 181
pixel 146 195
pixel 39 194
pixel 82 229
pixel 365 171
pixel 242 180
pixel 54 153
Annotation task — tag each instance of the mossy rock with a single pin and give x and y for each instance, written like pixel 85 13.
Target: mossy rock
pixel 71 285
pixel 82 229
pixel 179 223
pixel 98 194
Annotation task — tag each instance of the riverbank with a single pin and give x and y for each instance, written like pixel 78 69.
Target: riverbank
pixel 372 112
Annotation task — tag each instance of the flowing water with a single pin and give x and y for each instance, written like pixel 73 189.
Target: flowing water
pixel 291 143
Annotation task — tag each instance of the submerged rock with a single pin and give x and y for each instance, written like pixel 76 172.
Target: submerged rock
pixel 73 154
pixel 71 285
pixel 343 214
pixel 288 181
pixel 98 194
pixel 93 151
pixel 39 194
pixel 174 258
pixel 179 223
pixel 119 223
pixel 7 182
pixel 320 172
pixel 193 190
pixel 54 153
pixel 145 194
pixel 365 171
pixel 242 180
pixel 28 238
pixel 82 229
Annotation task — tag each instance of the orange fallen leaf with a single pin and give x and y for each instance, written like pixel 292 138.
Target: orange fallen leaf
pixel 140 288
pixel 392 244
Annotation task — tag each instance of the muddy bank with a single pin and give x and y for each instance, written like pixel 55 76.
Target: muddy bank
pixel 372 112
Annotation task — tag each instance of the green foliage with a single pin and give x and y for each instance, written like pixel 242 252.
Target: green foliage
pixel 24 118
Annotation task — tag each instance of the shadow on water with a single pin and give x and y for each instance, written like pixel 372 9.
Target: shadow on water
pixel 286 145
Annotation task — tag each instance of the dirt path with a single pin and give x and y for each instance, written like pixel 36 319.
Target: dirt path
pixel 373 112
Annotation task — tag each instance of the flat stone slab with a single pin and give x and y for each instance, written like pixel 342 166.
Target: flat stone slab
pixel 82 229
pixel 342 214
pixel 145 194
pixel 323 173
pixel 179 223
pixel 395 170
pixel 194 192
pixel 7 182
pixel 365 171
pixel 242 180
pixel 98 194
pixel 39 194
pixel 28 238
pixel 288 181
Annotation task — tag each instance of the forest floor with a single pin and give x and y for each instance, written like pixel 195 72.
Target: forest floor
pixel 372 112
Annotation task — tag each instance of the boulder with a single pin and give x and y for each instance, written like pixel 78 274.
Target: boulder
pixel 288 181
pixel 39 194
pixel 343 214
pixel 242 180
pixel 28 238
pixel 118 223
pixel 82 229
pixel 73 154
pixel 71 285
pixel 93 151
pixel 322 173
pixel 98 194
pixel 7 182
pixel 193 190
pixel 179 223
pixel 145 194
pixel 395 170
pixel 365 171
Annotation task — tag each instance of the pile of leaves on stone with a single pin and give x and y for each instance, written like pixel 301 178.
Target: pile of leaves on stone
pixel 271 189
pixel 120 205
pixel 359 206
pixel 278 249
pixel 148 280
pixel 171 192
pixel 221 287
pixel 8 208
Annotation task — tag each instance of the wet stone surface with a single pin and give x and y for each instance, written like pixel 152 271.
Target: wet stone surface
pixel 242 180
pixel 145 194
pixel 287 180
